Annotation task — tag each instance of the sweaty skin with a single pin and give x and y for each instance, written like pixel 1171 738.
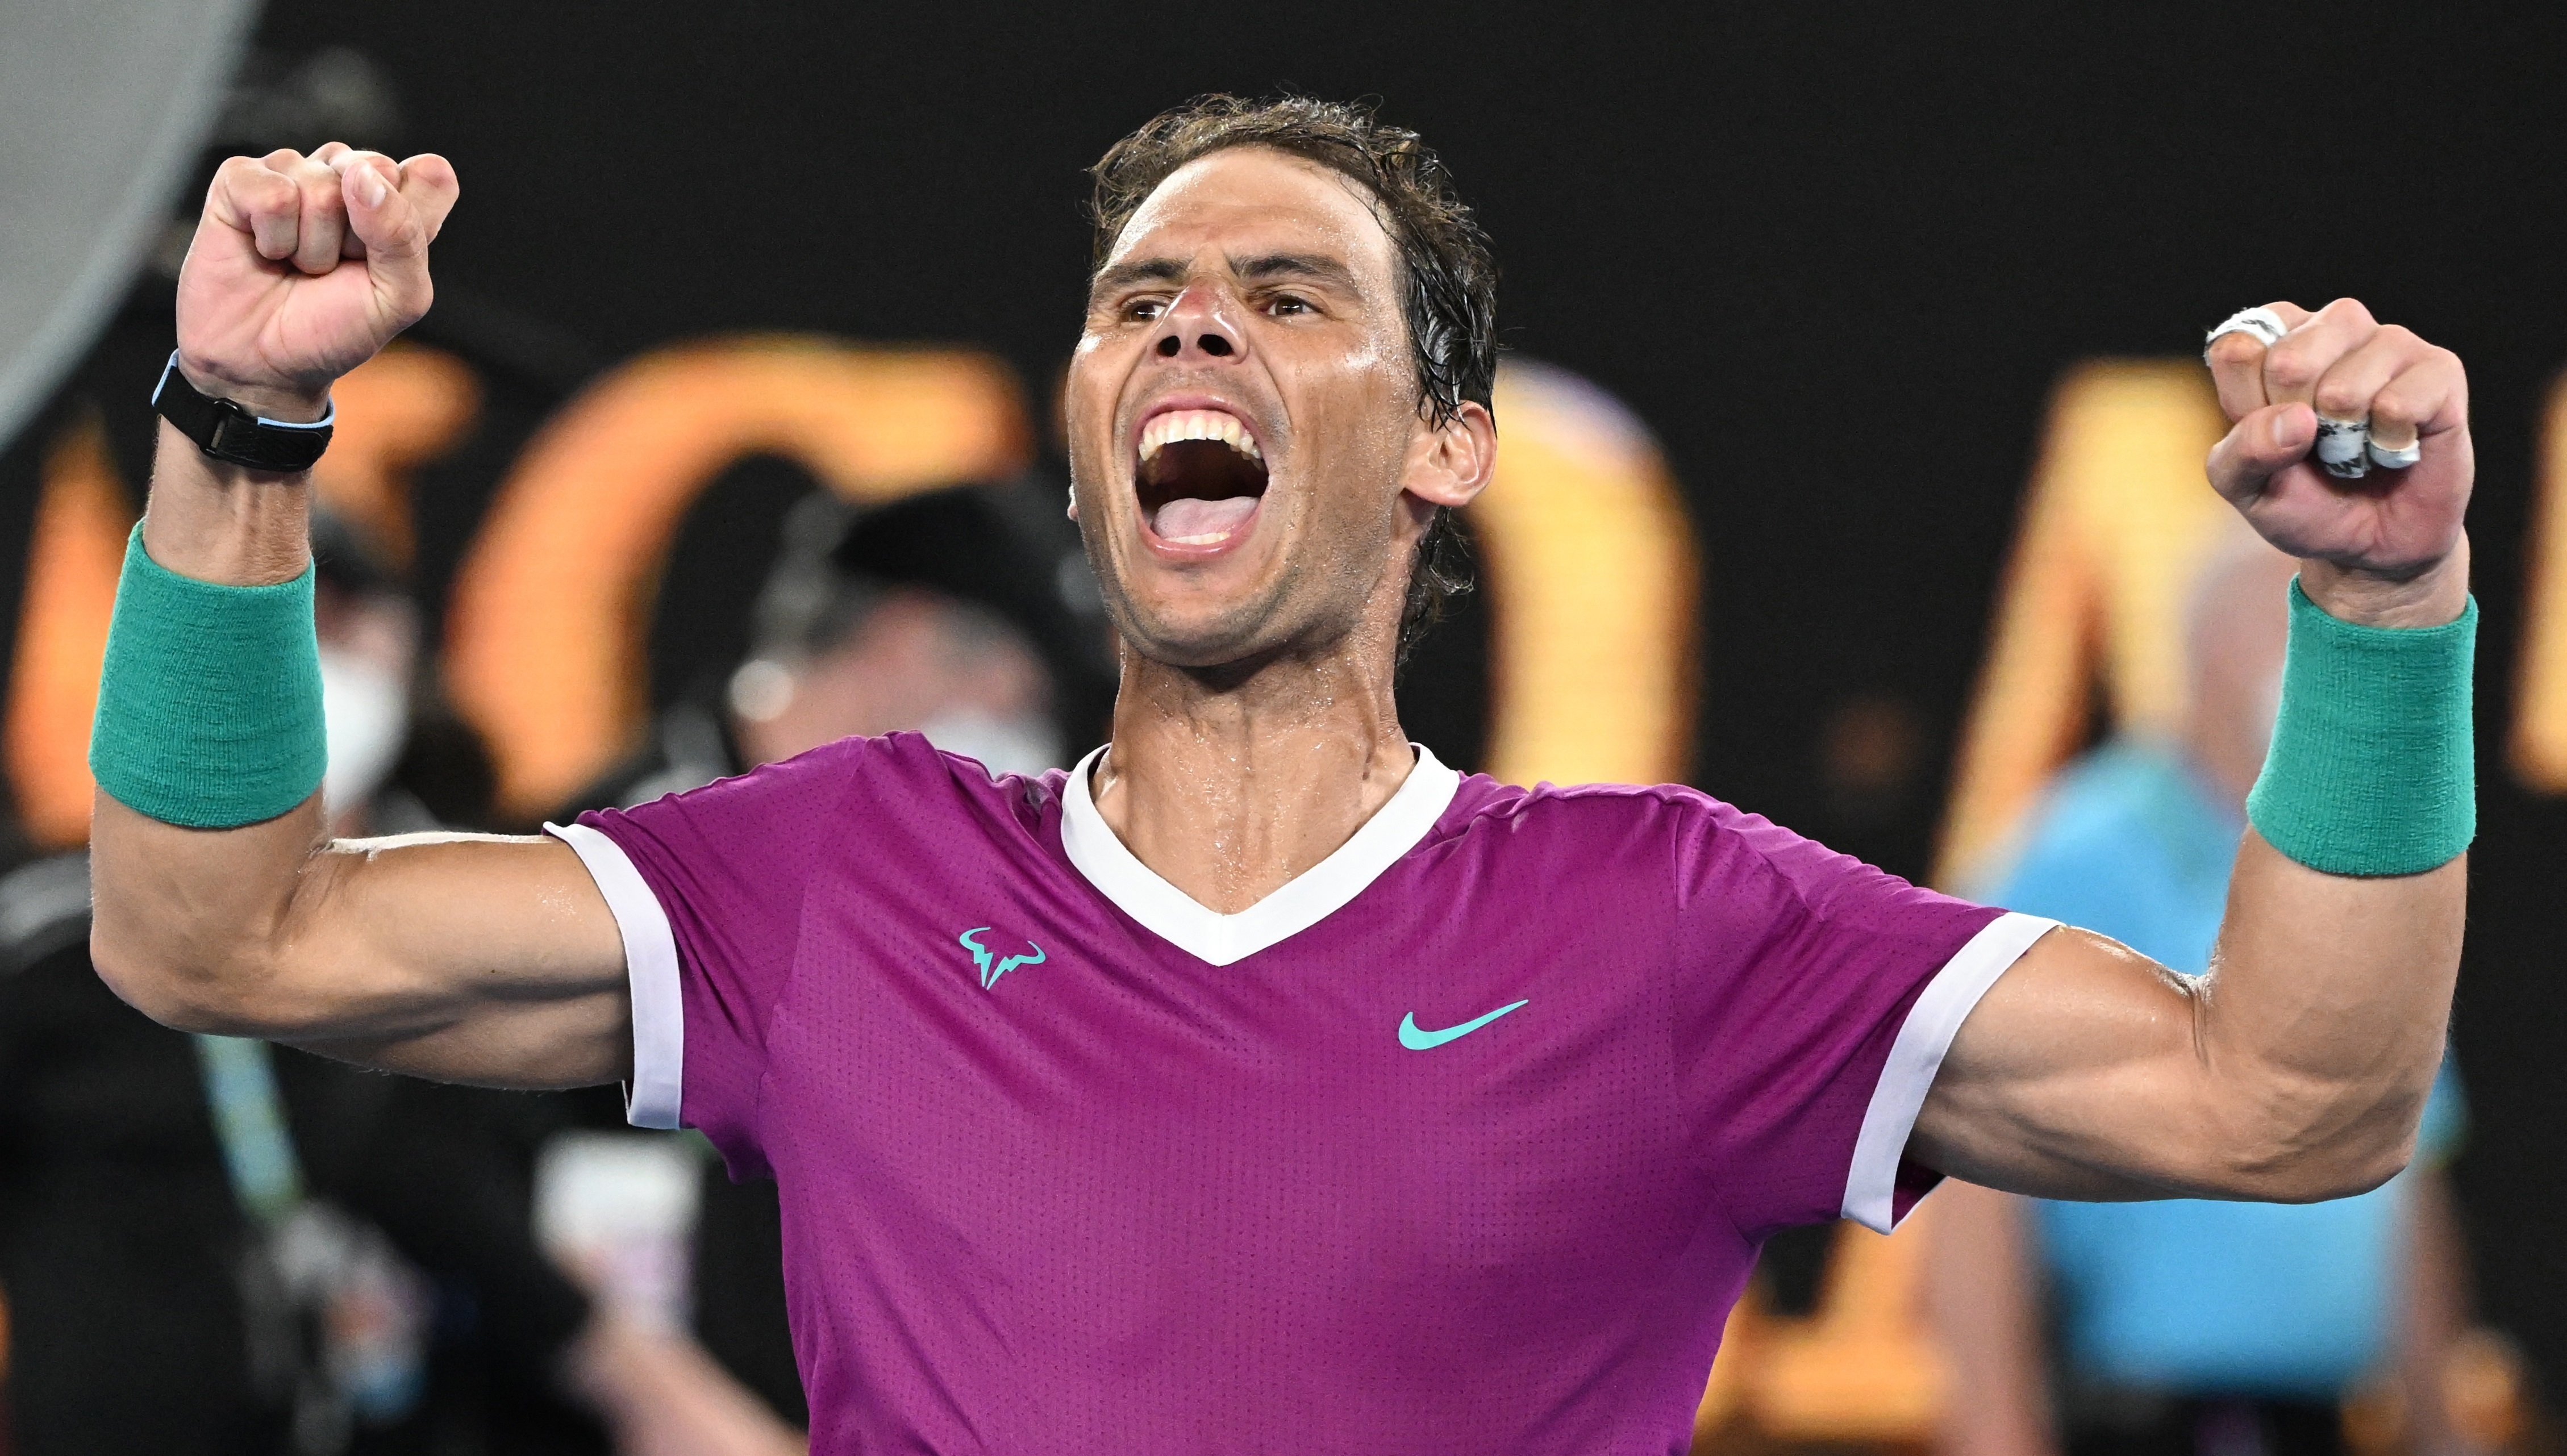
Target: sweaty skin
pixel 1255 730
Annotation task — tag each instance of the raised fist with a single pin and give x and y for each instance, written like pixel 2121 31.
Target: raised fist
pixel 303 267
pixel 2369 537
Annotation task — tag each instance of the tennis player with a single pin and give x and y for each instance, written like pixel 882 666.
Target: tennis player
pixel 1261 1082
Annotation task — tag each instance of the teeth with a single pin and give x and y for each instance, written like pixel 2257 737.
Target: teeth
pixel 1165 430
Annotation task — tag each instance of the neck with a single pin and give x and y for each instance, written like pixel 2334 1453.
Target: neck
pixel 1230 783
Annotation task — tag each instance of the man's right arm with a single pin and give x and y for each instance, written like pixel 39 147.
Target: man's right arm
pixel 459 956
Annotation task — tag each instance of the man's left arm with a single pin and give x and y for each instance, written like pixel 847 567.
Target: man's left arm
pixel 2296 1070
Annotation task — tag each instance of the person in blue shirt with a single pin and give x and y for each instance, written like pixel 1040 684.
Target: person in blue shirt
pixel 2186 1327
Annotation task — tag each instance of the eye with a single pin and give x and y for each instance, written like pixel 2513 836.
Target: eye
pixel 1143 310
pixel 1286 305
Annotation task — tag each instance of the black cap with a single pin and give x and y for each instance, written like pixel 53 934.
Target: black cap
pixel 986 545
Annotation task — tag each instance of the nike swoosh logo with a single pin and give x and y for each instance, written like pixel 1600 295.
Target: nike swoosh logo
pixel 1416 1039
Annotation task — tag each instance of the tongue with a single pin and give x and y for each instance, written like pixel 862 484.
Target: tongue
pixel 1184 519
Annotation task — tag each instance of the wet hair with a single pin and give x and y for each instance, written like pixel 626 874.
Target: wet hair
pixel 1449 280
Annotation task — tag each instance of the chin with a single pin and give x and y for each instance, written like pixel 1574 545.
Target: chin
pixel 1200 639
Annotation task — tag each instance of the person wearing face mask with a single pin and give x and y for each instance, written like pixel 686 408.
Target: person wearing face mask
pixel 211 1246
pixel 953 613
pixel 2189 1326
pixel 961 614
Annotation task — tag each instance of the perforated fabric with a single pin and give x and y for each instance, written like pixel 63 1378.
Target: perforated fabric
pixel 1051 1183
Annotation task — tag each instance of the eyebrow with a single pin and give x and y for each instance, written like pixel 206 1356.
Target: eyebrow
pixel 1145 270
pixel 1313 266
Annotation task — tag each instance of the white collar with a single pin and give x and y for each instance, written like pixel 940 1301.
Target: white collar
pixel 1307 899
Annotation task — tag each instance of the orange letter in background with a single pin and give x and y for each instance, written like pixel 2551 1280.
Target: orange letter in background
pixel 403 408
pixel 2115 523
pixel 2118 521
pixel 74 557
pixel 2540 700
pixel 1593 573
pixel 546 624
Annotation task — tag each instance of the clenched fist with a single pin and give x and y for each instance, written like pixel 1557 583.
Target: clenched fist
pixel 2385 549
pixel 302 268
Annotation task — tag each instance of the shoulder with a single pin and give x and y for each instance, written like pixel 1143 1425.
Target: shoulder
pixel 781 820
pixel 1709 853
pixel 1592 818
pixel 899 769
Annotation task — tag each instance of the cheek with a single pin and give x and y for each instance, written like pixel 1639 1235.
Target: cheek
pixel 1087 390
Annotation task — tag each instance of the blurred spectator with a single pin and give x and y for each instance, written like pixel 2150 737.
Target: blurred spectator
pixel 953 613
pixel 209 1245
pixel 2188 1327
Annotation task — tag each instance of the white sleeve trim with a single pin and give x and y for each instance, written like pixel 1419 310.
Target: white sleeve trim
pixel 651 960
pixel 1918 1055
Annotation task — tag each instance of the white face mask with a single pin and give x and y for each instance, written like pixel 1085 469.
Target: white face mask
pixel 1021 743
pixel 366 710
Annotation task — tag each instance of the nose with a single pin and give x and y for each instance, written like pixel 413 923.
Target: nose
pixel 1198 325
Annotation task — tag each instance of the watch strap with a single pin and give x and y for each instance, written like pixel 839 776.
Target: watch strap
pixel 226 432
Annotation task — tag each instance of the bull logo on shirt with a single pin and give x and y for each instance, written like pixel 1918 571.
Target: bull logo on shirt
pixel 991 968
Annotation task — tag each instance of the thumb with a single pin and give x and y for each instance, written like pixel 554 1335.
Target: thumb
pixel 2259 446
pixel 396 231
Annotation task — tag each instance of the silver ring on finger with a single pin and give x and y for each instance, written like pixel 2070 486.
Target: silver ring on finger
pixel 2263 323
pixel 2398 458
pixel 2341 447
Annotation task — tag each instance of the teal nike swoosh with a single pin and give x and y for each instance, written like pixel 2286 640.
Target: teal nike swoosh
pixel 1417 1040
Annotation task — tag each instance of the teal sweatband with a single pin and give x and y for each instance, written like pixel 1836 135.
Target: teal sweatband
pixel 210 703
pixel 2371 770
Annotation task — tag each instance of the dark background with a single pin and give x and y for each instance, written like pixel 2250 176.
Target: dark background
pixel 1834 257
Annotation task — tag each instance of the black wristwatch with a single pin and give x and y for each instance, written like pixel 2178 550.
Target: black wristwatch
pixel 228 433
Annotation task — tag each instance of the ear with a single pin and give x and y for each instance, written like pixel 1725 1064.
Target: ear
pixel 1450 464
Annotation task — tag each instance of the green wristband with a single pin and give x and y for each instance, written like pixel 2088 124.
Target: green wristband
pixel 210 701
pixel 2371 770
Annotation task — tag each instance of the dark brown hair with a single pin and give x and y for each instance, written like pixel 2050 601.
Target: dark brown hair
pixel 1449 280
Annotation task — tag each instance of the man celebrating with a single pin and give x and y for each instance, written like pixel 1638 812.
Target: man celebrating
pixel 1261 1081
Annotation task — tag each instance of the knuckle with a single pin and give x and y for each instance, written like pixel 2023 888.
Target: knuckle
pixel 2348 310
pixel 2291 369
pixel 250 179
pixel 2340 400
pixel 2236 349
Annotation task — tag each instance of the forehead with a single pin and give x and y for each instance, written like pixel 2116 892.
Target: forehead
pixel 1245 200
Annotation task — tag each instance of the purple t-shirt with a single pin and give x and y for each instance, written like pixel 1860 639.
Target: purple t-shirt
pixel 1463 1141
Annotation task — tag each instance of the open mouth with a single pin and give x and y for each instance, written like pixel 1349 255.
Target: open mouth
pixel 1200 477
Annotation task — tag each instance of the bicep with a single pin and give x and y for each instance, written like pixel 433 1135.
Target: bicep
pixel 2078 1074
pixel 463 958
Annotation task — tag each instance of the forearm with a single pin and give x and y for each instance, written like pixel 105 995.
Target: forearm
pixel 2323 1021
pixel 184 915
pixel 219 907
pixel 457 956
pixel 2331 991
pixel 223 523
pixel 2297 1067
pixel 467 957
